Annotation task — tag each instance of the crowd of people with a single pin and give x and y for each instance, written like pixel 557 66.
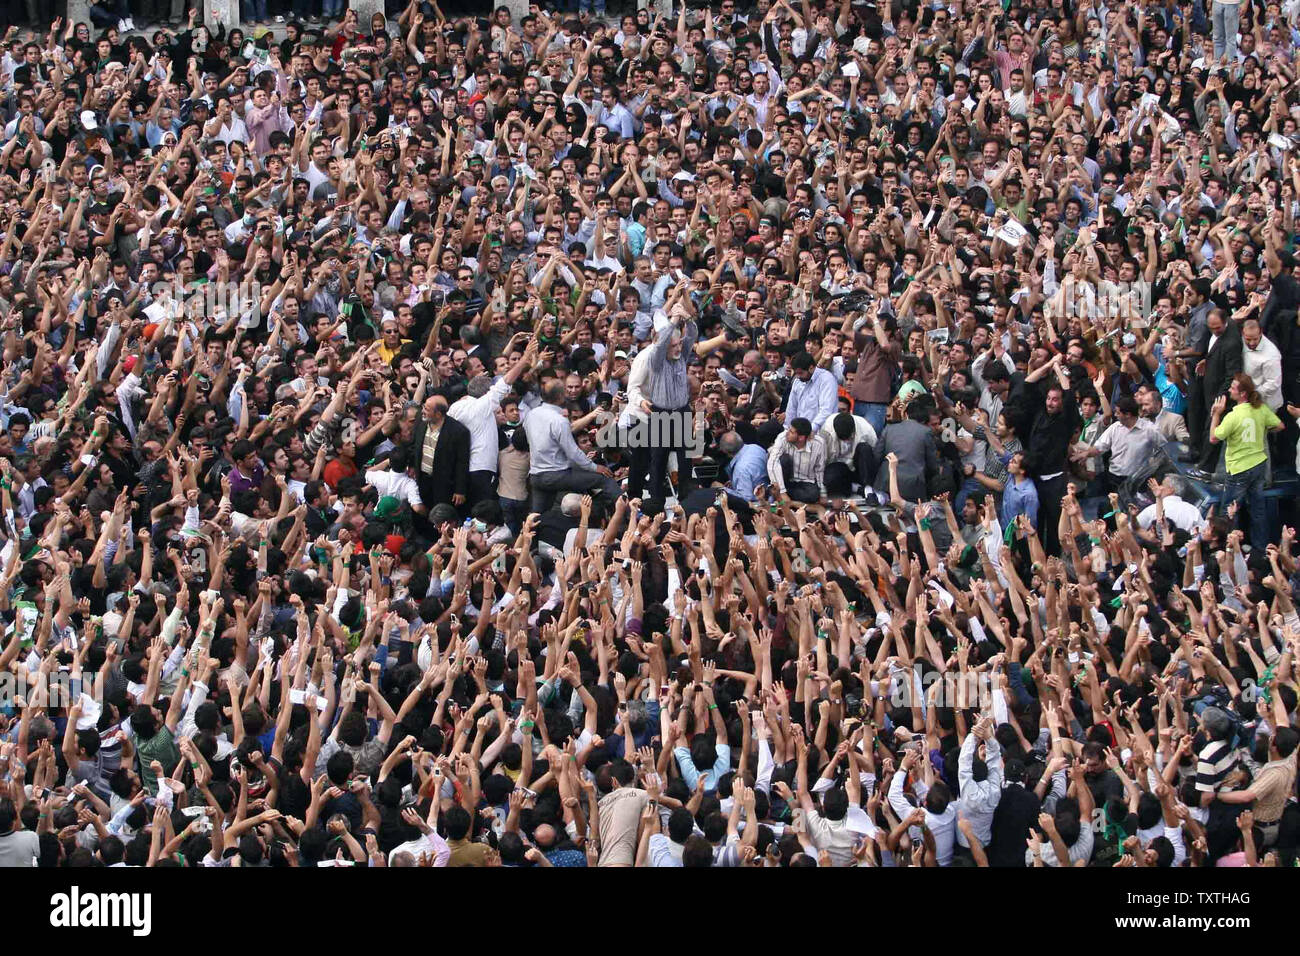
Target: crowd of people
pixel 746 435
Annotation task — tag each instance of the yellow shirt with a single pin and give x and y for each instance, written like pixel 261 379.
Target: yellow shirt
pixel 388 354
pixel 1244 430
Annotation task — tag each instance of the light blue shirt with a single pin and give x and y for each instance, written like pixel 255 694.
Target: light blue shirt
pixel 816 399
pixel 691 774
pixel 669 388
pixel 748 471
pixel 1020 497
pixel 550 442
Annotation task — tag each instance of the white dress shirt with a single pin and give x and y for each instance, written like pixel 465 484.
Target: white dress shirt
pixel 479 415
pixel 1181 514
pixel 979 800
pixel 1264 366
pixel 396 485
pixel 842 451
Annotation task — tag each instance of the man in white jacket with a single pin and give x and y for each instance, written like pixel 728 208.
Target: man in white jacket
pixel 850 452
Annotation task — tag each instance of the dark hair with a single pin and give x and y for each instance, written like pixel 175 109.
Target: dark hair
pixel 697 852
pixel 457 823
pixel 1285 740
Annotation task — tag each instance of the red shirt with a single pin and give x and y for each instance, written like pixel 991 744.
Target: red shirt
pixel 337 470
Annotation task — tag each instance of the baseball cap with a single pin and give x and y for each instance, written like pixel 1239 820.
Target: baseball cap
pixel 387 508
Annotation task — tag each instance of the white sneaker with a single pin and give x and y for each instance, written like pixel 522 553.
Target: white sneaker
pixel 121 26
pixel 279 19
pixel 130 24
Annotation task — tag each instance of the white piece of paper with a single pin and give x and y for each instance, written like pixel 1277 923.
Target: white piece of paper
pixel 1012 233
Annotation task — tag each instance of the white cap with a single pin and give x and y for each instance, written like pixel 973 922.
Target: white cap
pixel 88 120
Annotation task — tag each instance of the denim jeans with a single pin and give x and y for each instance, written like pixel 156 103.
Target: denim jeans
pixel 253 10
pixel 1249 486
pixel 514 511
pixel 332 9
pixel 106 13
pixel 1225 19
pixel 873 412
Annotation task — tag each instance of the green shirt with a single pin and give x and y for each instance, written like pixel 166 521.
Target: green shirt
pixel 1244 431
pixel 161 747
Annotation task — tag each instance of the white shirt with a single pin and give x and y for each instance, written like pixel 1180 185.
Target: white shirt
pixel 942 826
pixel 233 130
pixel 638 380
pixel 479 416
pixel 842 451
pixel 1181 514
pixel 402 487
pixel 1264 366
pixel 429 843
pixel 979 800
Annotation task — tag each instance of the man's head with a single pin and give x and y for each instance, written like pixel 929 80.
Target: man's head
pixel 1252 334
pixel 803 365
pixel 435 409
pixel 1055 400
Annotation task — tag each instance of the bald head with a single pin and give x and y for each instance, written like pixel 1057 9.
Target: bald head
pixel 435 408
pixel 1252 334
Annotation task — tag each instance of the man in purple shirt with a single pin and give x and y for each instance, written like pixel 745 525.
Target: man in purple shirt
pixel 248 472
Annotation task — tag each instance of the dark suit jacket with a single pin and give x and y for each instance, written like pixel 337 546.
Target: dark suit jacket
pixel 450 474
pixel 1222 362
pixel 913 443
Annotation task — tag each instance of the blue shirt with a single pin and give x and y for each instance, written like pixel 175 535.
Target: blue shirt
pixel 1019 498
pixel 691 774
pixel 748 471
pixel 1170 395
pixel 550 442
pixel 816 399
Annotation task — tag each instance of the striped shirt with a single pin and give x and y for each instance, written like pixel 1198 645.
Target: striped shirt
pixel 669 388
pixel 809 462
pixel 1273 786
pixel 995 465
pixel 1213 764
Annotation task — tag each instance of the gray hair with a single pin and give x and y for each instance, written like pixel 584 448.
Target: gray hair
pixel 479 385
pixel 1175 484
pixel 730 443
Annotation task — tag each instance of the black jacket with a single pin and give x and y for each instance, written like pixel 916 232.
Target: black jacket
pixel 450 475
pixel 1047 450
pixel 1017 811
pixel 1222 362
